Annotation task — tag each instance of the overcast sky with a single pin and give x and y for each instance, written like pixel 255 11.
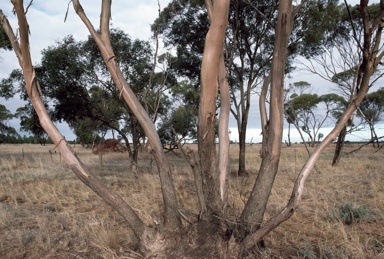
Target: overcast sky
pixel 46 21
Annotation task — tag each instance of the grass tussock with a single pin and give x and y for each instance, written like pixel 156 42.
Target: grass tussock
pixel 45 212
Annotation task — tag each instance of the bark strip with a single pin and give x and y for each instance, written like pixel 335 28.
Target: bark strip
pixel 218 13
pixel 223 130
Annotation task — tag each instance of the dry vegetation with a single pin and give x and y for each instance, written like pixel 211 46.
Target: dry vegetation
pixel 45 212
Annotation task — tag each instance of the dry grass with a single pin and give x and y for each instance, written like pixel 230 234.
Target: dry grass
pixel 45 212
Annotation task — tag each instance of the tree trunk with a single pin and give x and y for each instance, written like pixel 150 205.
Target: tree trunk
pixel 223 131
pixel 253 213
pixel 243 133
pixel 32 88
pixel 371 58
pixel 263 114
pixel 374 138
pixel 242 137
pixel 339 146
pixel 171 214
pixel 218 14
pixel 289 134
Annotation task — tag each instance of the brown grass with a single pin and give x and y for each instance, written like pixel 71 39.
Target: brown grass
pixel 45 212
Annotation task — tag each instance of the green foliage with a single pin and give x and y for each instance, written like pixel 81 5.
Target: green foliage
pixel 316 25
pixel 301 109
pixel 77 87
pixel 187 93
pixel 182 115
pixel 5 130
pixel 5 114
pixel 50 207
pixel 29 122
pixel 372 106
pixel 302 84
pixel 86 131
pixel 4 41
pixel 348 214
pixel 305 102
pixel 62 78
pixel 334 103
pixel 184 25
pixel 12 85
pixel 181 121
pixel 344 77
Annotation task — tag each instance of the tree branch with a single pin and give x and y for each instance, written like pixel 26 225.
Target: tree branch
pixel 223 130
pixel 171 216
pixel 69 155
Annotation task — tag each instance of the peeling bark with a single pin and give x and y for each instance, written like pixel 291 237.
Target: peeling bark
pixel 218 13
pixel 223 131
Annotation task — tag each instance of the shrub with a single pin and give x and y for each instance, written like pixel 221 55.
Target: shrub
pixel 348 214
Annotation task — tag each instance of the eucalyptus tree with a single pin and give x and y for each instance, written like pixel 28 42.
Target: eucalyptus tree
pixel 134 58
pixel 5 116
pixel 340 63
pixel 310 112
pixel 77 87
pixel 180 124
pixel 371 110
pixel 29 122
pixel 248 44
pixel 211 233
pixel 295 89
pixel 4 41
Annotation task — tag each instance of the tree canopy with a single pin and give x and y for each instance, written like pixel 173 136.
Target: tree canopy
pixel 5 116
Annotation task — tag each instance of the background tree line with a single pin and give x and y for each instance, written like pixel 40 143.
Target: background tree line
pixel 172 98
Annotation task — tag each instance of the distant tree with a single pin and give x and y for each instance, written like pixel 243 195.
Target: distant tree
pixel 320 136
pixel 77 87
pixel 309 112
pixel 88 132
pixel 29 122
pixel 295 89
pixel 4 40
pixel 180 124
pixel 134 60
pixel 341 63
pixel 178 127
pixel 371 110
pixel 5 130
pixel 299 88
pixel 12 85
